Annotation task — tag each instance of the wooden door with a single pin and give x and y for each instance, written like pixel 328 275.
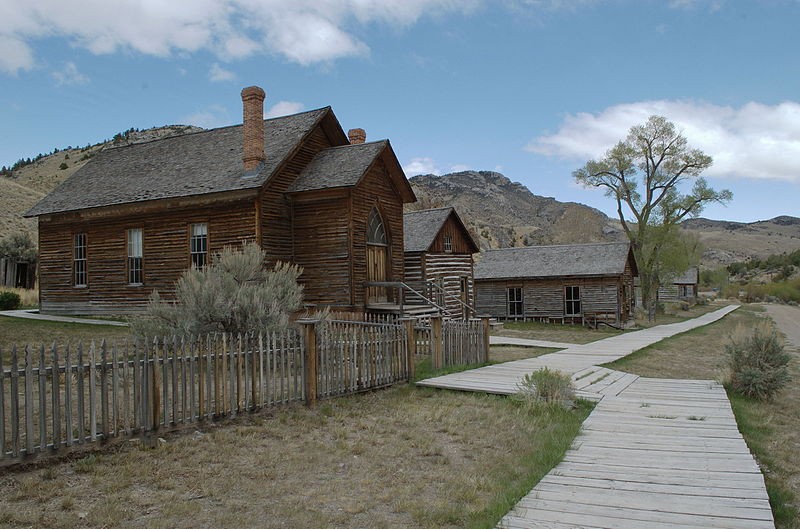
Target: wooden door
pixel 376 271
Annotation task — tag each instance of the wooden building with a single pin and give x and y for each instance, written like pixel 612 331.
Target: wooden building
pixel 567 283
pixel 438 259
pixel 17 273
pixel 134 218
pixel 681 288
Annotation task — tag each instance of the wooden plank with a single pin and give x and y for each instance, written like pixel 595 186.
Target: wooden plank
pixel 2 407
pixel 92 392
pixel 29 447
pixel 80 372
pixel 43 400
pixel 15 434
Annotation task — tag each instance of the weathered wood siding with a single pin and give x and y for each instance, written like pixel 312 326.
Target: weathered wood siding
pixel 460 244
pixel 447 270
pixel 375 190
pixel 276 211
pixel 544 298
pixel 414 271
pixel 322 248
pixel 165 257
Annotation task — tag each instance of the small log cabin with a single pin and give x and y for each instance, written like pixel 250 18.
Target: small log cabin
pixel 438 259
pixel 135 217
pixel 571 283
pixel 17 273
pixel 682 288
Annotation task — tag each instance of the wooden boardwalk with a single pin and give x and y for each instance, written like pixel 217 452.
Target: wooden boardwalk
pixel 654 453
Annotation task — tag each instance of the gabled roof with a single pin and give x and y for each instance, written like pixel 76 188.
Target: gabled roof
pixel 572 260
pixel 690 277
pixel 346 166
pixel 180 166
pixel 420 228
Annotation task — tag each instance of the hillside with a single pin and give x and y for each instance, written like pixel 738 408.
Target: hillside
pixel 30 182
pixel 502 213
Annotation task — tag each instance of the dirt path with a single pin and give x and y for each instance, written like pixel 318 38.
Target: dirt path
pixel 788 320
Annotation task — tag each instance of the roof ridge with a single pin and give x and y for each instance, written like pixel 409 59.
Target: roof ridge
pixel 427 210
pixel 607 243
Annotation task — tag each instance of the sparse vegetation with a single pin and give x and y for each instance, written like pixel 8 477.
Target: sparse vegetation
pixel 9 300
pixel 758 362
pixel 235 294
pixel 546 387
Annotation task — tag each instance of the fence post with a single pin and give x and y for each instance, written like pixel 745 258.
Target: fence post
pixel 436 342
pixel 411 346
pixel 309 332
pixel 485 322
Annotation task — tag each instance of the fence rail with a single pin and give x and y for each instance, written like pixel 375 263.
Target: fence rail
pixel 62 397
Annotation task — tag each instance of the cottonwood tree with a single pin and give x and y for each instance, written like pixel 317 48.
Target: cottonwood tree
pixel 645 174
pixel 236 293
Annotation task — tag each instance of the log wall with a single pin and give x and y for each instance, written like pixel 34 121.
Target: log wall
pixel 166 254
pixel 447 270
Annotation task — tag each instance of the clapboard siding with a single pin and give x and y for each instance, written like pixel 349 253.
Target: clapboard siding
pixel 375 191
pixel 414 271
pixel 165 257
pixel 544 298
pixel 322 248
pixel 460 242
pixel 276 210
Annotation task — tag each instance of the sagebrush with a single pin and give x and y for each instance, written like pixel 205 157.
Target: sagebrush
pixel 9 300
pixel 546 386
pixel 758 362
pixel 236 293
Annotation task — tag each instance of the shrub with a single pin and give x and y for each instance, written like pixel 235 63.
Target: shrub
pixel 758 362
pixel 546 386
pixel 9 300
pixel 63 166
pixel 234 294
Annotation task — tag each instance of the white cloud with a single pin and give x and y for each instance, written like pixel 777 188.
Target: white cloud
pixel 422 165
pixel 754 141
pixel 458 167
pixel 283 108
pixel 69 75
pixel 218 73
pixel 210 118
pixel 302 31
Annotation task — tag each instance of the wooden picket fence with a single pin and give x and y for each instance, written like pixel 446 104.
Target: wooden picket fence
pixel 58 398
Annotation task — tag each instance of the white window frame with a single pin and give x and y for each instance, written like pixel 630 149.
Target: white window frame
pixel 80 269
pixel 571 301
pixel 198 245
pixel 518 304
pixel 135 268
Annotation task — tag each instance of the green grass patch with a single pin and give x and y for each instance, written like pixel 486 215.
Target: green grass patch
pixel 559 429
pixel 425 370
pixel 754 424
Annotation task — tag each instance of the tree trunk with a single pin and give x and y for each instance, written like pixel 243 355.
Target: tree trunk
pixel 649 294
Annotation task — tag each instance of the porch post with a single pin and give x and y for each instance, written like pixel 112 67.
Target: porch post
pixel 411 347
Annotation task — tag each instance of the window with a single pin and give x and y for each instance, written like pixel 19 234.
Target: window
pixel 572 301
pixel 79 260
pixel 198 245
pixel 135 256
pixel 515 307
pixel 375 232
pixel 448 244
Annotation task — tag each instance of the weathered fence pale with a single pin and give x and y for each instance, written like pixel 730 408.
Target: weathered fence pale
pixel 61 397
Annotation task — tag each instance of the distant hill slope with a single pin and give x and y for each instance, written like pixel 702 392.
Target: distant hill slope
pixel 503 213
pixel 726 241
pixel 29 183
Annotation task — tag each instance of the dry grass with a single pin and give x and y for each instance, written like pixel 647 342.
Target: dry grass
pixel 403 457
pixel 17 331
pixel 555 332
pixel 28 297
pixel 508 353
pixel 771 428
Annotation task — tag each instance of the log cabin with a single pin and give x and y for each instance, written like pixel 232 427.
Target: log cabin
pixel 682 287
pixel 438 259
pixel 134 218
pixel 575 283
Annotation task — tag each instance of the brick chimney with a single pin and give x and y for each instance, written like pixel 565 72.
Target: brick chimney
pixel 253 121
pixel 357 136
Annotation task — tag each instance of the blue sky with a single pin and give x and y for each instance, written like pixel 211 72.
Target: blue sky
pixel 531 88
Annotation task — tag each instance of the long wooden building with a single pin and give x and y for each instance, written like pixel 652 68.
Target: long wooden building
pixel 565 283
pixel 134 218
pixel 438 259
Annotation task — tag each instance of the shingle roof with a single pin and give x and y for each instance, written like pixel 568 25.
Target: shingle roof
pixel 421 227
pixel 600 259
pixel 338 167
pixel 192 164
pixel 690 277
